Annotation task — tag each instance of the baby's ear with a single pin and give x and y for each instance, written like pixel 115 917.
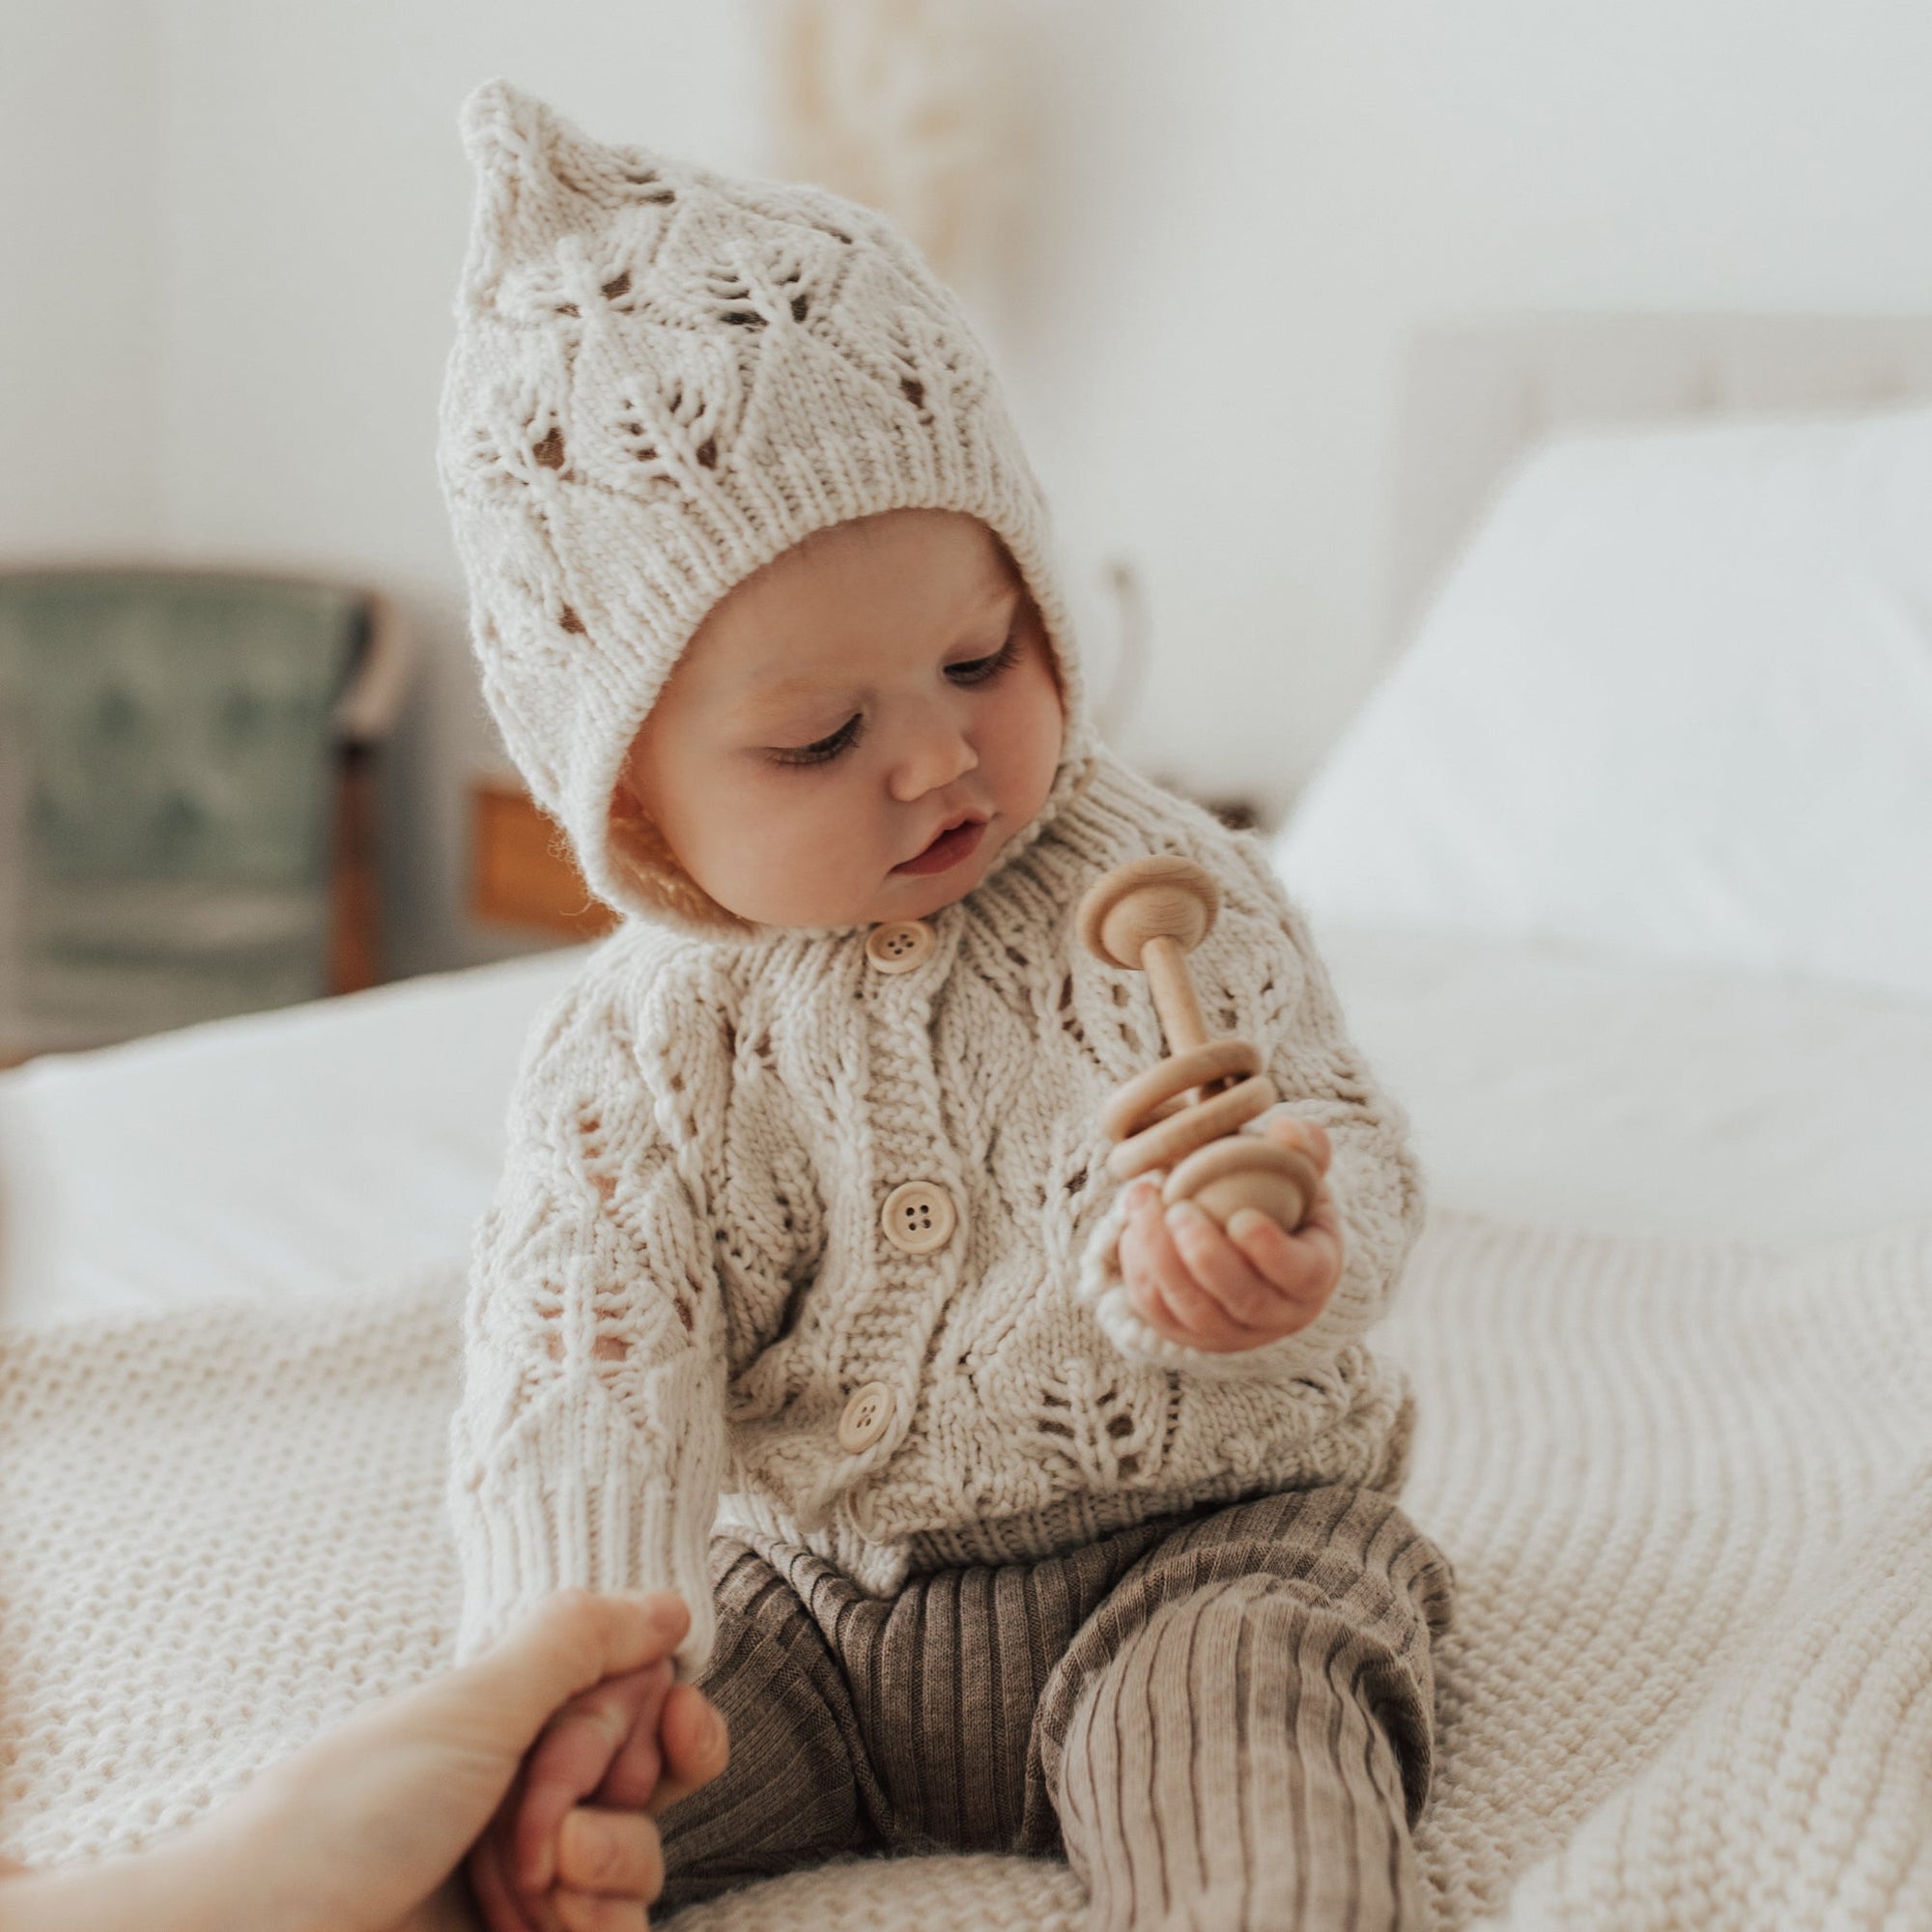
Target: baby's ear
pixel 625 804
pixel 630 806
pixel 642 854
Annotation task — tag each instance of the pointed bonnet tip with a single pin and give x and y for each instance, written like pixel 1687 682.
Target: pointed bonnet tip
pixel 501 127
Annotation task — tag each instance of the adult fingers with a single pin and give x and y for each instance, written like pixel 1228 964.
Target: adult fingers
pixel 571 1641
pixel 696 1745
pixel 611 1854
pixel 487 1869
pixel 572 1759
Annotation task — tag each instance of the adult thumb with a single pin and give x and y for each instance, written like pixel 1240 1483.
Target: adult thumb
pixel 567 1643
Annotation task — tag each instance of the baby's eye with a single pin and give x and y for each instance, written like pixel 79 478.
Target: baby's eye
pixel 823 750
pixel 976 670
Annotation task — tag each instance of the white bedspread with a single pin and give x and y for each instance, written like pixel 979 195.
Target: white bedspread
pixel 1686 1487
pixel 275 1155
pixel 1671 1329
pixel 1584 1089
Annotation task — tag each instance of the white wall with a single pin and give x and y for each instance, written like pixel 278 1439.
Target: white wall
pixel 1247 207
pixel 80 269
pixel 1241 212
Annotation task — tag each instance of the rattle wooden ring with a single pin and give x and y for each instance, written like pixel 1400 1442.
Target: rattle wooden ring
pixel 1184 1113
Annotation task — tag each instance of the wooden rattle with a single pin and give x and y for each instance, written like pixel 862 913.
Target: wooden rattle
pixel 1185 1113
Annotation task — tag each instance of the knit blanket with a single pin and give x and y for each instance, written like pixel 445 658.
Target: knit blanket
pixel 1686 1487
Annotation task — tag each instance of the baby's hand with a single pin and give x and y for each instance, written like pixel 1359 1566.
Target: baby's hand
pixel 610 1748
pixel 1225 1292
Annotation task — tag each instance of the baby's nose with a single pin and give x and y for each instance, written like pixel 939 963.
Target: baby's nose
pixel 931 761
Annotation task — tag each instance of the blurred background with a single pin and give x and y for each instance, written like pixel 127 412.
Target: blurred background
pixel 245 759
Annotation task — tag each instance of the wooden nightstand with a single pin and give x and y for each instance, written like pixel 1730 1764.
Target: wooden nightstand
pixel 520 872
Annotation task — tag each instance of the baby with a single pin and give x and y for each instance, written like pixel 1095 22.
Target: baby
pixel 1050 1520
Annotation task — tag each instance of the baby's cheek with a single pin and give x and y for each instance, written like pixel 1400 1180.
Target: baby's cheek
pixel 1029 732
pixel 788 858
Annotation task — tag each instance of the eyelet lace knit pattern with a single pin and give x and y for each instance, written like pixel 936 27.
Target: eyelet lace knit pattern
pixel 661 379
pixel 1687 1488
pixel 683 1279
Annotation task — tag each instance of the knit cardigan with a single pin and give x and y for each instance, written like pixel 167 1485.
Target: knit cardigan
pixel 683 1284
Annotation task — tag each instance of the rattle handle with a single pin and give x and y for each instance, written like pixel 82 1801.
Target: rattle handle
pixel 1166 968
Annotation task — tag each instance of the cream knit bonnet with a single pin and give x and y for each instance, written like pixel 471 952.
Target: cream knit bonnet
pixel 663 378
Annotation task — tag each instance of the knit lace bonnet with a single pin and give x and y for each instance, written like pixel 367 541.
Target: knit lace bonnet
pixel 663 378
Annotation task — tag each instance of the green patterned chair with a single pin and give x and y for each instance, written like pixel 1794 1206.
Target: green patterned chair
pixel 186 759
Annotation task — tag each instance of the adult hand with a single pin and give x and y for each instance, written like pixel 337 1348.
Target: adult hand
pixel 1226 1291
pixel 622 1746
pixel 363 1831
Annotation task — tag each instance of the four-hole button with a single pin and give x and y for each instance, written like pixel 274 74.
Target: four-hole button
pixel 900 945
pixel 867 1416
pixel 919 1217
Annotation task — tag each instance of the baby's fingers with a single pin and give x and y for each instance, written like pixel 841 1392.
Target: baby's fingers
pixel 584 1912
pixel 696 1746
pixel 1289 1130
pixel 1247 1305
pixel 1162 1286
pixel 573 1757
pixel 613 1854
pixel 1305 1265
pixel 1158 1283
pixel 610 1866
pixel 635 1770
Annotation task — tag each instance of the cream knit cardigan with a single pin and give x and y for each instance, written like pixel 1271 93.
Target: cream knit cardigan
pixel 683 1280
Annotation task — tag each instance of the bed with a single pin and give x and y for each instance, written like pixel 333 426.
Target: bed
pixel 1671 1324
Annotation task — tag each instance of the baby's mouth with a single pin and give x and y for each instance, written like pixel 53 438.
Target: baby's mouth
pixel 955 842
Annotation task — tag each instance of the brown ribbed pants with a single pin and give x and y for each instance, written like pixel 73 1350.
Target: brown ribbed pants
pixel 1224 1719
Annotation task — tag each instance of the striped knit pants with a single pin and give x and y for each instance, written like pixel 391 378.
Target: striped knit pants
pixel 1223 1719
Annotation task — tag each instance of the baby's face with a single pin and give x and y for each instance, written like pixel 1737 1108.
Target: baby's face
pixel 854 732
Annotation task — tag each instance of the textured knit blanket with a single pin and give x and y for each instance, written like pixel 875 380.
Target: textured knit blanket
pixel 1687 1490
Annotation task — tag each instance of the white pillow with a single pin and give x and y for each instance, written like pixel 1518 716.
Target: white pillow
pixel 1677 696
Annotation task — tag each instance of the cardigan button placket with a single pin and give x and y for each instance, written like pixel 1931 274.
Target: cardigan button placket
pixel 903 1298
pixel 900 945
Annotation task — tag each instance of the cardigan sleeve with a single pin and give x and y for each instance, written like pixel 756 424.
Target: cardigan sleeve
pixel 588 1444
pixel 1273 985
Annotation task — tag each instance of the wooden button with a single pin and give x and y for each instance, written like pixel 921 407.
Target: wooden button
pixel 867 1416
pixel 919 1217
pixel 900 945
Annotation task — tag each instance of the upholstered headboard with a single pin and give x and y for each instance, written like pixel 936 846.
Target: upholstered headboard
pixel 1476 396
